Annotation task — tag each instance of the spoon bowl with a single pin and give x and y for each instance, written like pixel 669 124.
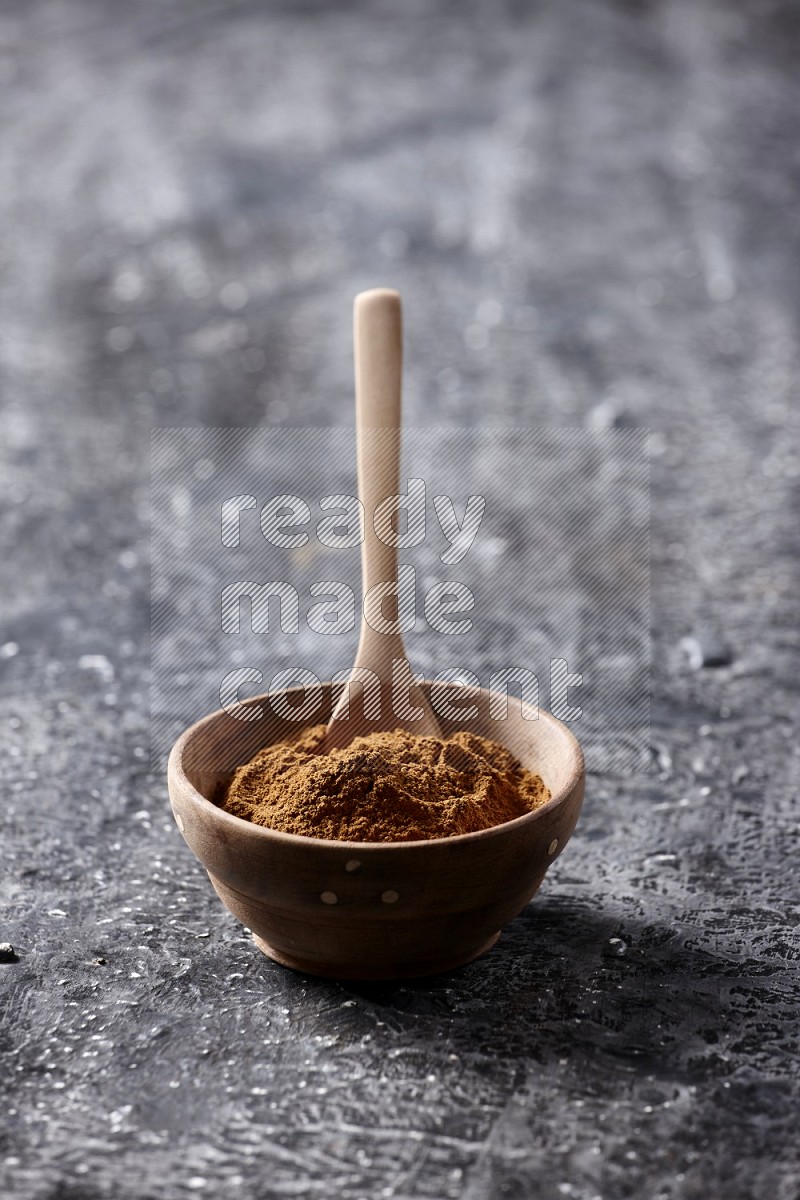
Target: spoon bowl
pixel 373 910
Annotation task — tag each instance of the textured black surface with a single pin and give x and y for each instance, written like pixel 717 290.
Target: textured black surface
pixel 591 210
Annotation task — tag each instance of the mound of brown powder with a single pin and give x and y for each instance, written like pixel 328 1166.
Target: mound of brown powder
pixel 385 787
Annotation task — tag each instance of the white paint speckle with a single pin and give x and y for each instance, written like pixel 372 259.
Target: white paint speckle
pixel 329 898
pixel 390 897
pixel 98 663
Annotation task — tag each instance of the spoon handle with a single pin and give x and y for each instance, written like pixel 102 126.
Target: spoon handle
pixel 378 328
pixel 378 333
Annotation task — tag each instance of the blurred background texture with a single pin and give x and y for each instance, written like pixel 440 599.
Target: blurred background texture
pixel 591 210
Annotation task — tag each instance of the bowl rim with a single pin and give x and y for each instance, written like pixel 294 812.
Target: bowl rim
pixel 177 778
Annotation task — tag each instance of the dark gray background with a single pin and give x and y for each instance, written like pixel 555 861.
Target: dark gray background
pixel 591 210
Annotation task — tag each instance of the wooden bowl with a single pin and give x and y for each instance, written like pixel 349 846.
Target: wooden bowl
pixel 372 910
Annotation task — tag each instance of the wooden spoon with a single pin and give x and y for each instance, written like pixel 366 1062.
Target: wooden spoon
pixel 378 332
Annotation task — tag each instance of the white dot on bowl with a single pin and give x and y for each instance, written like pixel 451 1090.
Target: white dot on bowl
pixel 551 849
pixel 329 898
pixel 352 864
pixel 390 897
pixel 179 821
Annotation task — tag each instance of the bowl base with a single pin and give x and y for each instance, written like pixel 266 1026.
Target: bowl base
pixel 401 971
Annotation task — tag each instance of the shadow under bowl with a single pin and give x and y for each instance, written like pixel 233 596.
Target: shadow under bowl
pixel 372 910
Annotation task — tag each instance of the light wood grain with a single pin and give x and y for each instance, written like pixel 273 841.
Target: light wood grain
pixel 378 341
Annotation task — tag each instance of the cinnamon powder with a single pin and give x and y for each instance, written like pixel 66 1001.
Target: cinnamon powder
pixel 385 787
